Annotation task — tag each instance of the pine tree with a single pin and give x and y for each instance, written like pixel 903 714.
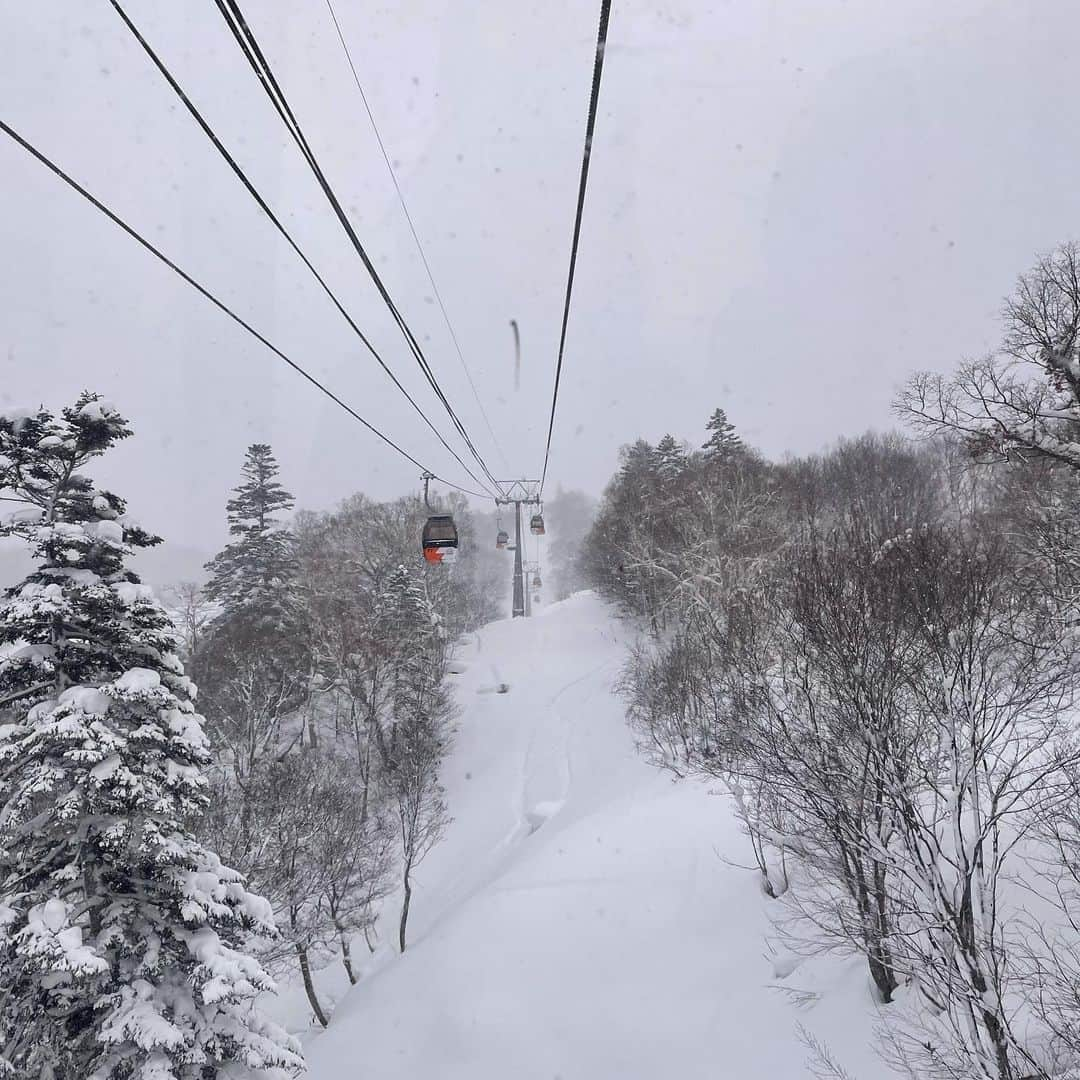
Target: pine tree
pixel 723 443
pixel 407 619
pixel 253 664
pixel 670 459
pixel 254 572
pixel 122 939
pixel 636 460
pixel 412 640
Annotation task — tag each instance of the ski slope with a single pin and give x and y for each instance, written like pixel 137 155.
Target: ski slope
pixel 584 918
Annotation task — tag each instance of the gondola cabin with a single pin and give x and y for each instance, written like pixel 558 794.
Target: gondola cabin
pixel 536 526
pixel 440 539
pixel 502 539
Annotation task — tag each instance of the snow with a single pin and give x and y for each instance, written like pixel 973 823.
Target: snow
pixel 32 653
pixel 87 698
pixel 130 594
pixel 586 917
pixel 107 531
pixel 24 517
pixel 85 578
pixel 107 768
pixel 33 591
pixel 52 914
pixel 138 681
pixel 47 938
pixel 95 410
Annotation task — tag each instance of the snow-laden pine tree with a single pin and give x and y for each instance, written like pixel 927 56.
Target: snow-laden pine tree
pixel 669 459
pixel 412 639
pixel 254 571
pixel 723 442
pixel 122 939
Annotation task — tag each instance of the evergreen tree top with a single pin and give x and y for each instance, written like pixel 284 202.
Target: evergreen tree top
pixel 255 572
pixel 637 457
pixel 723 440
pixel 81 617
pixel 670 457
pixel 259 495
pixel 71 526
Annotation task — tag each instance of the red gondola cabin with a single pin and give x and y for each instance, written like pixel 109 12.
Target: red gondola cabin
pixel 440 539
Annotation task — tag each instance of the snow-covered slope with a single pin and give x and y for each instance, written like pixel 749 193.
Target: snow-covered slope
pixel 584 918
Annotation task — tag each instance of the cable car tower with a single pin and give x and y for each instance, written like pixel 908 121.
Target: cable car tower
pixel 519 493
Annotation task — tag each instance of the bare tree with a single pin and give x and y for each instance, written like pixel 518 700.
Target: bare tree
pixel 355 852
pixel 1025 402
pixel 289 815
pixel 322 866
pixel 249 693
pixel 790 655
pixel 417 796
pixel 991 707
pixel 192 613
pixel 825 668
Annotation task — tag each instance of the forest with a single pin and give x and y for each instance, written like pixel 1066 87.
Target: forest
pixel 871 651
pixel 397 683
pixel 874 651
pixel 159 863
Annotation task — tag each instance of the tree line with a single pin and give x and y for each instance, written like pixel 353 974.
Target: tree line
pixel 874 651
pixel 322 675
pixel 158 864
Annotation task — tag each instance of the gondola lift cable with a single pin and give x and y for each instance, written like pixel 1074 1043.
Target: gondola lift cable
pixel 220 304
pixel 276 221
pixel 252 51
pixel 412 228
pixel 590 127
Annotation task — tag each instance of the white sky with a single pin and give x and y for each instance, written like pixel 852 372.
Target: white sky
pixel 793 204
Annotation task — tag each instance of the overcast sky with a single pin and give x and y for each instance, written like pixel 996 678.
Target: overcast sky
pixel 793 204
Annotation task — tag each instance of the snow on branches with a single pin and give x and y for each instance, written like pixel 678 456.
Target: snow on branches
pixel 123 941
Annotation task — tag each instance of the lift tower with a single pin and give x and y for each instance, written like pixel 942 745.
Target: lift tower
pixel 519 493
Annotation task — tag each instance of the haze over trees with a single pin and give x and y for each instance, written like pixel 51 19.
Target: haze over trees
pixel 569 516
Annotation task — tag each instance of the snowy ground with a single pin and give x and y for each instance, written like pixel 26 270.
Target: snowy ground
pixel 584 918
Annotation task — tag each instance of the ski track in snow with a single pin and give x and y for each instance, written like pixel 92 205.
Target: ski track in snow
pixel 583 919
